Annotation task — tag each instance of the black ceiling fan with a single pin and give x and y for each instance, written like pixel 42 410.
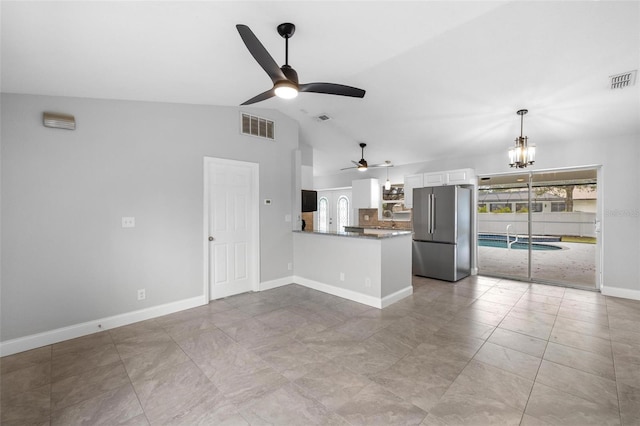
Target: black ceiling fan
pixel 285 78
pixel 362 164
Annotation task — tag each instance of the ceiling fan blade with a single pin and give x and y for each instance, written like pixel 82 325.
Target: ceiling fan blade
pixel 332 89
pixel 260 54
pixel 261 97
pixel 348 168
pixel 382 165
pixel 357 163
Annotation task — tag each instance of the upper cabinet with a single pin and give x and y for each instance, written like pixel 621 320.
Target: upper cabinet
pixel 448 177
pixel 366 194
pixel 410 182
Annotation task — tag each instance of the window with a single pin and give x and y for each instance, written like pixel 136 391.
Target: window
pixel 558 206
pixel 343 213
pixel 500 207
pixel 524 207
pixel 323 204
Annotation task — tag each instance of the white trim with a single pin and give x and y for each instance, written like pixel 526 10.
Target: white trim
pixel 50 337
pixel 398 295
pixel 625 293
pixel 375 302
pixel 340 292
pixel 537 171
pixel 268 285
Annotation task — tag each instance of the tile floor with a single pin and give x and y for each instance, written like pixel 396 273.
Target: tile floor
pixel 481 351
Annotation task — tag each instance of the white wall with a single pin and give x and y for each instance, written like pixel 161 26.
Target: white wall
pixel 65 257
pixel 617 191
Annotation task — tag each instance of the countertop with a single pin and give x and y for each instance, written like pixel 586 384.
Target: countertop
pixel 375 236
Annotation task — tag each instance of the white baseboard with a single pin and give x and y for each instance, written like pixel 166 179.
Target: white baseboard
pixel 365 299
pixel 625 293
pixel 398 295
pixel 268 285
pixel 50 337
pixel 340 292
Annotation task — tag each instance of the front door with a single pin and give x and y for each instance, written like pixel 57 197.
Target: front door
pixel 334 210
pixel 232 226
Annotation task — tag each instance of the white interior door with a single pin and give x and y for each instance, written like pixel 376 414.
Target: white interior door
pixel 232 226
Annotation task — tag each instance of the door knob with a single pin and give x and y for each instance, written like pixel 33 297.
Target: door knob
pixel 210 238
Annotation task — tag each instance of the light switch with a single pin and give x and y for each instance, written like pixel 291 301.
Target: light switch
pixel 287 218
pixel 128 222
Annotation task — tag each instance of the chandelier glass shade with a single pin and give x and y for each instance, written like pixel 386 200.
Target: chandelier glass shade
pixel 387 184
pixel 522 154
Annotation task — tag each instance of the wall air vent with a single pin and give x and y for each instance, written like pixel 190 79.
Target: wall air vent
pixel 58 121
pixel 257 126
pixel 626 79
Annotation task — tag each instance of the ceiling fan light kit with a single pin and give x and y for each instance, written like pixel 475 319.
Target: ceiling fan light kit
pixel 362 164
pixel 285 78
pixel 522 154
pixel 285 89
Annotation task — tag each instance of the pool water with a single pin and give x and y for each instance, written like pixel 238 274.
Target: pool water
pixel 518 246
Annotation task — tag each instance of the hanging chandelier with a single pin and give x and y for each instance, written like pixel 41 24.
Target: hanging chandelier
pixel 521 155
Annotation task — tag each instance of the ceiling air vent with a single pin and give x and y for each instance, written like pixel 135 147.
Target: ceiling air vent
pixel 323 117
pixel 257 126
pixel 626 79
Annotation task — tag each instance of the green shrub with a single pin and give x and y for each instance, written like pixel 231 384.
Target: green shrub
pixel 502 210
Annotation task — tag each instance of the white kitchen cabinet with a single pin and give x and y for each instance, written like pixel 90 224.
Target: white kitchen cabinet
pixel 410 182
pixel 450 177
pixel 365 193
pixel 447 177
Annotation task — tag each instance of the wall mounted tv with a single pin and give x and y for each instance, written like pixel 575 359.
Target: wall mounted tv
pixel 309 201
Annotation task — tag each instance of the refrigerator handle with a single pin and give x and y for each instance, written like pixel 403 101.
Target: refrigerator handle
pixel 429 213
pixel 432 219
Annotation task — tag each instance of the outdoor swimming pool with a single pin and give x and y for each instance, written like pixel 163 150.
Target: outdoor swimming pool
pixel 500 241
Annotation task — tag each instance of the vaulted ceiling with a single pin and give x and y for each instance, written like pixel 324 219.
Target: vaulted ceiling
pixel 440 76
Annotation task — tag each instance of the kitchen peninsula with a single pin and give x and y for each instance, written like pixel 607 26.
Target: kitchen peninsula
pixel 373 268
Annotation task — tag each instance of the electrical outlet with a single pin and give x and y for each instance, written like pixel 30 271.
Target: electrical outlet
pixel 290 266
pixel 367 282
pixel 128 222
pixel 142 294
pixel 341 276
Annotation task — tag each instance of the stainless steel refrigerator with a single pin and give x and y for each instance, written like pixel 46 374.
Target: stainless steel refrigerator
pixel 442 232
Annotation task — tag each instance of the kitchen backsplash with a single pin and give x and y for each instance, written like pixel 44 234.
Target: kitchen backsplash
pixel 369 218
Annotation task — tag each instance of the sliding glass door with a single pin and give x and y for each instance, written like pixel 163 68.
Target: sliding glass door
pixel 539 226
pixel 564 229
pixel 502 227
